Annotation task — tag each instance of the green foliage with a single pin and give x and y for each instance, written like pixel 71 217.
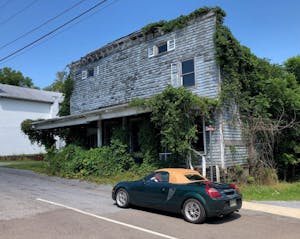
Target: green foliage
pixel 292 66
pixel 182 21
pixel 278 191
pixel 107 161
pixel 149 142
pixel 250 180
pixel 261 90
pixel 120 133
pixel 67 91
pixel 173 113
pixel 41 137
pixel 59 84
pixel 12 77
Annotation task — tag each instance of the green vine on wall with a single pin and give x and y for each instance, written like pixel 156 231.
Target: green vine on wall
pixel 174 113
pixel 183 21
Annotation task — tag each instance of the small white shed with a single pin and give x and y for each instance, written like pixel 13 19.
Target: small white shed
pixel 18 104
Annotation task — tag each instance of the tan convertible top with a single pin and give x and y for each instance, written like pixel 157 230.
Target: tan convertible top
pixel 177 175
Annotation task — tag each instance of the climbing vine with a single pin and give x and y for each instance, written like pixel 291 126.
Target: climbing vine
pixel 267 96
pixel 183 21
pixel 174 112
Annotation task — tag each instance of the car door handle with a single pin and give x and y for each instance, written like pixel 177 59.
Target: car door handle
pixel 163 189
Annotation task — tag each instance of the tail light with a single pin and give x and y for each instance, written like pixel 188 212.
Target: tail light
pixel 212 192
pixel 232 185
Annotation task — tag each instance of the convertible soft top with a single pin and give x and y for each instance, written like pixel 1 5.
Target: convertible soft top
pixel 178 175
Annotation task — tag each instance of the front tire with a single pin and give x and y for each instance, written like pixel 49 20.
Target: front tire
pixel 193 211
pixel 122 198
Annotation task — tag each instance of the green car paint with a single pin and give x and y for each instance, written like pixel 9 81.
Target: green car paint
pixel 171 197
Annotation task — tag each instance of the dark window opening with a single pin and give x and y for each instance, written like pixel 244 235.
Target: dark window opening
pixel 188 73
pixel 199 144
pixel 134 135
pixel 90 73
pixel 162 48
pixel 108 129
pixel 194 177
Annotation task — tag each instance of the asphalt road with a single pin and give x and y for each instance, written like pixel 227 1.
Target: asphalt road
pixel 37 206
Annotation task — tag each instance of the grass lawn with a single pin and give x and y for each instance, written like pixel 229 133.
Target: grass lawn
pixel 278 192
pixel 281 191
pixel 36 166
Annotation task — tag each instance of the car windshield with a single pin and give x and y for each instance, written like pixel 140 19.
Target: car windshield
pixel 194 177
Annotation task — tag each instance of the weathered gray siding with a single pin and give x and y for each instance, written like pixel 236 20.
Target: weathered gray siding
pixel 235 148
pixel 126 72
pixel 129 73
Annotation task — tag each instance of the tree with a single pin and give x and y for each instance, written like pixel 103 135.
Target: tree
pixel 63 84
pixel 13 77
pixel 293 66
pixel 67 90
pixel 58 84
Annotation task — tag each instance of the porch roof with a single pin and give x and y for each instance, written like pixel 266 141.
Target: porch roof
pixel 87 117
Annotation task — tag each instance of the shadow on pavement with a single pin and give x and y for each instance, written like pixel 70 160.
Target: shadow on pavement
pixel 212 220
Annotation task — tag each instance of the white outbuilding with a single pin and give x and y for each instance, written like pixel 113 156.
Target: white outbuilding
pixel 18 104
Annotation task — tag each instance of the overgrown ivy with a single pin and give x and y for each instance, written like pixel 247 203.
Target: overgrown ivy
pixel 174 113
pixel 183 21
pixel 267 96
pixel 41 137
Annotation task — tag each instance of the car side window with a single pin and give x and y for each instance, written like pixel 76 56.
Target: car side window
pixel 160 177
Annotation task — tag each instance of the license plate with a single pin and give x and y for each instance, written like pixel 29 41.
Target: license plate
pixel 232 203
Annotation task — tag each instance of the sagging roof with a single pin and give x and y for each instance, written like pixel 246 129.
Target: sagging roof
pixel 87 117
pixel 22 93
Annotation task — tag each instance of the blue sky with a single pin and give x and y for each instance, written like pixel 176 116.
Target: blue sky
pixel 270 28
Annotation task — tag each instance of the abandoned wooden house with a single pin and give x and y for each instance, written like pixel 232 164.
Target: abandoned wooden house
pixel 141 65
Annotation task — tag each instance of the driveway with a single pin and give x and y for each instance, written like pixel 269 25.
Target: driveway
pixel 38 206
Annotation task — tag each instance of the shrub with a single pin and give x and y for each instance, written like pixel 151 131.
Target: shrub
pixel 76 161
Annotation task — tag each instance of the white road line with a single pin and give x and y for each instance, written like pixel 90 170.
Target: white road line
pixel 108 219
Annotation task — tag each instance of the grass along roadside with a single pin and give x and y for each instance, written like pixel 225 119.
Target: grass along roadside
pixel 35 166
pixel 278 192
pixel 281 191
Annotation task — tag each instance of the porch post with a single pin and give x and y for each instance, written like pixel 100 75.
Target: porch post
pixel 99 133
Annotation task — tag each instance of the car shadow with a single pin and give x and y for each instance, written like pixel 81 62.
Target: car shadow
pixel 211 220
pixel 221 220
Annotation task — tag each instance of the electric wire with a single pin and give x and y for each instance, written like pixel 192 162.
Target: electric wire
pixel 41 25
pixel 59 32
pixel 18 12
pixel 54 30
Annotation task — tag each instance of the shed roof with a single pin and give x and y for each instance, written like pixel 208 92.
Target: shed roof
pixel 17 92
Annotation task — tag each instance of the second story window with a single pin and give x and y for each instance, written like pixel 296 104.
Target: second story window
pixel 90 72
pixel 160 48
pixel 188 73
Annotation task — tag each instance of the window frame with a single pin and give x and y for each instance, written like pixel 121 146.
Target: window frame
pixel 89 70
pixel 184 74
pixel 153 50
pixel 83 74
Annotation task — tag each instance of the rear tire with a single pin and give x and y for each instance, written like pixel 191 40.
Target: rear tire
pixel 122 198
pixel 193 211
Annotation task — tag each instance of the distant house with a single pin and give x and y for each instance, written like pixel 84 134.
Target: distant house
pixel 141 65
pixel 18 104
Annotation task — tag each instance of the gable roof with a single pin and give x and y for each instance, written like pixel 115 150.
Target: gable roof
pixel 22 93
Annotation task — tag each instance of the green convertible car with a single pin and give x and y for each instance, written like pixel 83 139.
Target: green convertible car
pixel 181 191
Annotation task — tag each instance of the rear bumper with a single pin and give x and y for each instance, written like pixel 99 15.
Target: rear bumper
pixel 222 207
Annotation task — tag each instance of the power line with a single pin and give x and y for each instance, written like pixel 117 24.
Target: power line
pixel 17 13
pixel 41 25
pixel 59 32
pixel 54 30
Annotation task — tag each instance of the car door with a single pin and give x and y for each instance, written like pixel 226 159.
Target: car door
pixel 156 190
